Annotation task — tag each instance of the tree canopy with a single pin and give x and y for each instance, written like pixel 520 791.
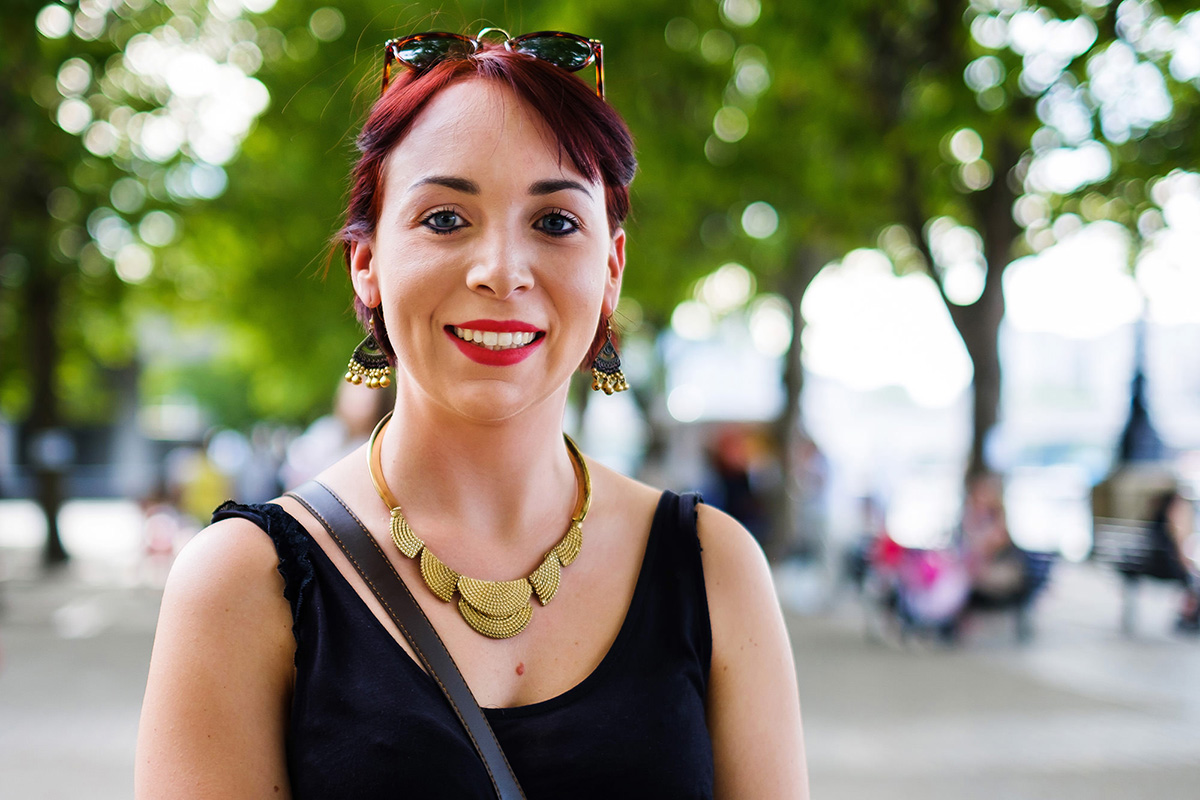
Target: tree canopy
pixel 177 167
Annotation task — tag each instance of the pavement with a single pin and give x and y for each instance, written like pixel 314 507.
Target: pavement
pixel 1079 712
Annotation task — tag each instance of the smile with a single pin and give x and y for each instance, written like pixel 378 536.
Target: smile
pixel 496 343
pixel 495 340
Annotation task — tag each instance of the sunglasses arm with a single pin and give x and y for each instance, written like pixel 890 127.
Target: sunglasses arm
pixel 599 69
pixel 388 59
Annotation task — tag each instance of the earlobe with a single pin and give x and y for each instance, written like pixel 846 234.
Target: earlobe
pixel 362 273
pixel 616 268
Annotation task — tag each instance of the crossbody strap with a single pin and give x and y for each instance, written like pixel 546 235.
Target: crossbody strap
pixel 368 558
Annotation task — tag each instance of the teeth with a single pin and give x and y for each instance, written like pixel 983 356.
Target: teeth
pixel 495 341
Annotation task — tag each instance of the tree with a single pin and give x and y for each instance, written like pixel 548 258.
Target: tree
pixel 103 137
pixel 775 135
pixel 873 124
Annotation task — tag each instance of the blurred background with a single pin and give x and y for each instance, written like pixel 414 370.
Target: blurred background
pixel 913 291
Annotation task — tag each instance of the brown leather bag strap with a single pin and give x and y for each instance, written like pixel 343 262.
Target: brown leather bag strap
pixel 387 585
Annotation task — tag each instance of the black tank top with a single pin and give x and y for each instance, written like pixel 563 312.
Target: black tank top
pixel 366 722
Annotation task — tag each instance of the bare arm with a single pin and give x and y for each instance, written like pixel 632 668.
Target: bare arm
pixel 753 702
pixel 214 717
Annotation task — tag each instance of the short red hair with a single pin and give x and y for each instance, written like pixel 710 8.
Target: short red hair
pixel 589 132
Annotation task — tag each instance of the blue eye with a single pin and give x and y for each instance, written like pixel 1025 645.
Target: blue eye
pixel 557 223
pixel 443 221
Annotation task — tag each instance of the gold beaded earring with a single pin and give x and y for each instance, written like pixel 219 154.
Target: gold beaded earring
pixel 368 365
pixel 606 368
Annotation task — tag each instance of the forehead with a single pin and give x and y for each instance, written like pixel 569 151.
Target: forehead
pixel 479 126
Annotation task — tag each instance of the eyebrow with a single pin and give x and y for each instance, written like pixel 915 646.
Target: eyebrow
pixel 466 186
pixel 450 182
pixel 552 186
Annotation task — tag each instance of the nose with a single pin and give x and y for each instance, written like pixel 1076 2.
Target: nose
pixel 502 266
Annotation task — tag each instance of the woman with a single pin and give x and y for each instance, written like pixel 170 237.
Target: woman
pixel 1171 528
pixel 484 244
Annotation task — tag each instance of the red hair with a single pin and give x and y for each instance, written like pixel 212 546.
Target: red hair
pixel 588 131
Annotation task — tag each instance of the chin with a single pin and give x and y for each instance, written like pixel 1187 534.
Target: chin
pixel 495 402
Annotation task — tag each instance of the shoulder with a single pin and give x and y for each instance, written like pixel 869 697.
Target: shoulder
pixel 221 671
pixel 736 572
pixel 232 554
pixel 225 593
pixel 744 612
pixel 753 703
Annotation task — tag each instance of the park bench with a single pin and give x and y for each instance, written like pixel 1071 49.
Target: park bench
pixel 885 607
pixel 1131 548
pixel 1038 566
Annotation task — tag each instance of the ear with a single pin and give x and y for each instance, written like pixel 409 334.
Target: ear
pixel 616 269
pixel 362 273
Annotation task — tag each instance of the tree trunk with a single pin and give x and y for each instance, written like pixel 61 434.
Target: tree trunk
pixel 979 322
pixel 786 538
pixel 43 292
pixel 33 168
pixel 980 328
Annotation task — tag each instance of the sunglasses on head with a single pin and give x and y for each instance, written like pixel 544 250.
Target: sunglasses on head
pixel 420 51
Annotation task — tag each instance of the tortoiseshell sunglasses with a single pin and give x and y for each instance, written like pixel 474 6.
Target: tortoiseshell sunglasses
pixel 420 51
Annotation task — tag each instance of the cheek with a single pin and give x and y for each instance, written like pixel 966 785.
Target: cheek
pixel 589 271
pixel 580 290
pixel 411 274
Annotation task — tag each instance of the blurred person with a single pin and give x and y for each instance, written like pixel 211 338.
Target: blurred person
pixel 1171 530
pixel 812 498
pixel 259 478
pixel 925 589
pixel 357 409
pixel 995 564
pixel 164 531
pixel 485 248
pixel 731 484
pixel 194 481
pixel 1002 575
pixel 862 552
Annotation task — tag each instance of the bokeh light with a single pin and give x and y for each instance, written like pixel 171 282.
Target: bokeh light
pixel 760 220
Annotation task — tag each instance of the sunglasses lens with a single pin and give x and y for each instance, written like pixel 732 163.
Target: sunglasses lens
pixel 422 52
pixel 566 52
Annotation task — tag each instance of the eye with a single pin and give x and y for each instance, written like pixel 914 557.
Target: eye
pixel 443 220
pixel 557 223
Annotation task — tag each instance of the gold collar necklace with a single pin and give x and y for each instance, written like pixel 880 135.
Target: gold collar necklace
pixel 497 609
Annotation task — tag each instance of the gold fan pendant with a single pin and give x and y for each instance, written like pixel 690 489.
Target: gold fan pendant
pixel 571 543
pixel 545 578
pixel 402 535
pixel 493 628
pixel 440 579
pixel 496 609
pixel 495 598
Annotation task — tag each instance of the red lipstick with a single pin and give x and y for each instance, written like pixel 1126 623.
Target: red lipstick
pixel 496 358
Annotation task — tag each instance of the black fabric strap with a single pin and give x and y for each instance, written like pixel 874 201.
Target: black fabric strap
pixel 387 585
pixel 687 510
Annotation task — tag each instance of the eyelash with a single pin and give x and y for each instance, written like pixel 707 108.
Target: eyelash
pixel 576 225
pixel 428 218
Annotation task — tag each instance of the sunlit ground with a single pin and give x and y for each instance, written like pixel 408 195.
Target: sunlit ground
pixel 1081 712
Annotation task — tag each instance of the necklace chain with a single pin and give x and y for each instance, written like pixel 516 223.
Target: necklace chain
pixel 497 609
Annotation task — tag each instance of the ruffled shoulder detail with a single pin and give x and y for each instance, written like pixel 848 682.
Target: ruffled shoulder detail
pixel 689 570
pixel 291 542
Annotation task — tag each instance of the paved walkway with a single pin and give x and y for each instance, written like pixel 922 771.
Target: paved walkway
pixel 1078 713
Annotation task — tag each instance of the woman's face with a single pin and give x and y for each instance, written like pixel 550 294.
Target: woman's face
pixel 492 259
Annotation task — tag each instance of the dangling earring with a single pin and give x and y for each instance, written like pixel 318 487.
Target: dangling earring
pixel 368 365
pixel 606 369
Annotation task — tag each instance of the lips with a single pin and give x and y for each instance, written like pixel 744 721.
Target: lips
pixel 497 343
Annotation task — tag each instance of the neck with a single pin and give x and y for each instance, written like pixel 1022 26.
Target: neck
pixel 505 482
